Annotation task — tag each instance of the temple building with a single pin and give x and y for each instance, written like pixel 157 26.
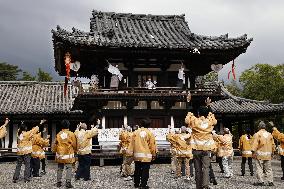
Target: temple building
pixel 144 47
pixel 160 49
pixel 148 47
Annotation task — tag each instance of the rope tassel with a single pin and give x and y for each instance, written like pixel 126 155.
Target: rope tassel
pixel 67 61
pixel 232 71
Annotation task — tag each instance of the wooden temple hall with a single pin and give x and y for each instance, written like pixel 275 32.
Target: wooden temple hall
pixel 156 48
pixel 143 47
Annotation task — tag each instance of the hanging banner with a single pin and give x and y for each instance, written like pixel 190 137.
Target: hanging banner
pixel 232 71
pixel 67 61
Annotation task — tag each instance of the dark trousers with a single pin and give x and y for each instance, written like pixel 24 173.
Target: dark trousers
pixel 43 164
pixel 141 173
pixel 243 165
pixel 35 166
pixel 211 173
pixel 201 165
pixel 83 170
pixel 26 159
pixel 68 172
pixel 2 142
pixel 219 161
pixel 282 164
pixel 190 167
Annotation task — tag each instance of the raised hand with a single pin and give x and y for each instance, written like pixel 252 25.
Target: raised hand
pixel 44 130
pixel 208 101
pixel 98 121
pixel 7 120
pixel 42 121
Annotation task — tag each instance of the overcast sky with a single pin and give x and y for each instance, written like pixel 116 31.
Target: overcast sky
pixel 26 40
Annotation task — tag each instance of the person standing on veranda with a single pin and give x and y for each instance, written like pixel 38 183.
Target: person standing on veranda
pixel 280 138
pixel 262 149
pixel 143 148
pixel 65 148
pixel 84 149
pixel 245 149
pixel 202 142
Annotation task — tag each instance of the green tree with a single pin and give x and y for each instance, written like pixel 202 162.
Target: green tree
pixel 43 76
pixel 28 77
pixel 234 88
pixel 8 72
pixel 210 77
pixel 264 82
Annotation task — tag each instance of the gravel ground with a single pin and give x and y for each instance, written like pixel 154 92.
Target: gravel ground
pixel 108 177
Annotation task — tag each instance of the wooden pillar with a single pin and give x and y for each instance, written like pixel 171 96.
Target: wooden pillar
pixel 240 129
pixel 6 139
pixel 131 77
pixel 103 122
pixel 10 134
pixel 192 81
pixel 163 79
pixel 252 128
pixel 49 130
pixel 187 82
pixel 15 135
pixel 44 134
pixel 53 132
pixel 102 162
pixel 221 126
pixel 172 122
pixel 125 120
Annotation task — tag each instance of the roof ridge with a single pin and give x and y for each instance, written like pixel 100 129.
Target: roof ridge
pixel 96 13
pixel 223 37
pixel 241 99
pixel 31 82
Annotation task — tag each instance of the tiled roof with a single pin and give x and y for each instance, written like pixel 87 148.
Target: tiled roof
pixel 238 105
pixel 109 29
pixel 34 98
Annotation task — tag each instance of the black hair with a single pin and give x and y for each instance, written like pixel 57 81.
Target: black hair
pixel 22 128
pixel 146 123
pixel 65 124
pixel 247 131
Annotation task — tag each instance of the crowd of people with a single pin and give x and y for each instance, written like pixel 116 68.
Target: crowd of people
pixel 195 145
pixel 191 146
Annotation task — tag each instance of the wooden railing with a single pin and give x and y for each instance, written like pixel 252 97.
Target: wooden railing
pixel 207 89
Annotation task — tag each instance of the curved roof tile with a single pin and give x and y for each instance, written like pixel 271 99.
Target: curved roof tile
pixel 238 105
pixel 35 98
pixel 109 29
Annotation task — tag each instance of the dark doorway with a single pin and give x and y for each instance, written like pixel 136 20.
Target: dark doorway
pixel 156 122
